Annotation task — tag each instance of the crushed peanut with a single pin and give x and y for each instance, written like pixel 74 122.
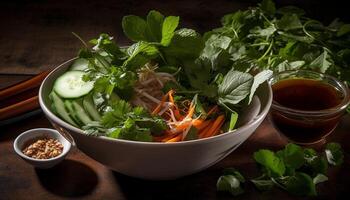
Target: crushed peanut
pixel 44 148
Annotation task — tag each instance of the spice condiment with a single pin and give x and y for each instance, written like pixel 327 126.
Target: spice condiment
pixel 44 148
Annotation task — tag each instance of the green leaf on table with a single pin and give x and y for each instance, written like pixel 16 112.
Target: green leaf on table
pixel 319 178
pixel 300 184
pixel 272 164
pixel 263 184
pixel 334 154
pixel 317 164
pixel 229 183
pixel 169 25
pixel 234 172
pixel 235 87
pixel 292 156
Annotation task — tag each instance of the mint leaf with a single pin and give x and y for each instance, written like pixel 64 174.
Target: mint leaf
pixel 185 44
pixel 155 23
pixel 292 156
pixel 169 25
pixel 334 154
pixel 344 29
pixel 273 165
pixel 134 27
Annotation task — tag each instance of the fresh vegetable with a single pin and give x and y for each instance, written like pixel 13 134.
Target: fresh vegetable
pixel 153 90
pixel 71 85
pixel 294 169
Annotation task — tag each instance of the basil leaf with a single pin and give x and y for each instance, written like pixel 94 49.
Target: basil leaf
pixel 235 87
pixel 259 79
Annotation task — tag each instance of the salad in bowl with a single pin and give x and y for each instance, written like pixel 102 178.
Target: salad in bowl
pixel 166 103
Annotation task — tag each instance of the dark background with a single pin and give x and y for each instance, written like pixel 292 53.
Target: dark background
pixel 36 34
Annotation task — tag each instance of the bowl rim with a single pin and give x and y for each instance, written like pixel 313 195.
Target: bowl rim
pixel 66 147
pixel 66 125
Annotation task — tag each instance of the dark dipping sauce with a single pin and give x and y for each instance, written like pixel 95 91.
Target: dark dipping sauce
pixel 305 95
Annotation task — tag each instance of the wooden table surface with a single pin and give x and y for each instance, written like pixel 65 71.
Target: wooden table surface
pixel 36 35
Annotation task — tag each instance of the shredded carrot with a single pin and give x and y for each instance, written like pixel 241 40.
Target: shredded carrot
pixel 216 124
pixel 212 110
pixel 175 139
pixel 202 125
pixel 205 130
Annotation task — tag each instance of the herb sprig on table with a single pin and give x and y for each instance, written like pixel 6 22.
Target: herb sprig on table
pixel 294 169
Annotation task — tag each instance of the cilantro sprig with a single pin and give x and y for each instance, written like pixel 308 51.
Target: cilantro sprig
pixel 294 169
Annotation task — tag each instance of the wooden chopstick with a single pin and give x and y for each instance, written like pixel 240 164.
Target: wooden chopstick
pixel 19 108
pixel 21 97
pixel 23 86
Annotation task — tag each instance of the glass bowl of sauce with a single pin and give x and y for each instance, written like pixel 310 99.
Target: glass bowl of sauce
pixel 307 105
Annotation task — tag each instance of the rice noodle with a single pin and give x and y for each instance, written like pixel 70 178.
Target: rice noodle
pixel 149 87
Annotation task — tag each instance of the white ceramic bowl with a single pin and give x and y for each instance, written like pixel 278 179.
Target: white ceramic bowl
pixel 156 161
pixel 30 136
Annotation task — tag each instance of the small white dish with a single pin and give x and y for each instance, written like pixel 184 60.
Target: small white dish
pixel 30 135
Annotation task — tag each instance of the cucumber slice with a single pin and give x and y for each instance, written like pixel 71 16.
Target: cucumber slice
pixel 80 64
pixel 80 112
pixel 90 108
pixel 71 85
pixel 72 113
pixel 60 109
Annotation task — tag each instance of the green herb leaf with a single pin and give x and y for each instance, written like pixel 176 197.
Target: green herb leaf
pixel 169 25
pixel 334 154
pixel 260 78
pixel 155 23
pixel 317 164
pixel 289 22
pixel 229 183
pixel 263 185
pixel 319 178
pixel 322 62
pixel 268 6
pixel 235 87
pixel 301 184
pixel 292 156
pixel 234 172
pixel 273 165
pixel 134 28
